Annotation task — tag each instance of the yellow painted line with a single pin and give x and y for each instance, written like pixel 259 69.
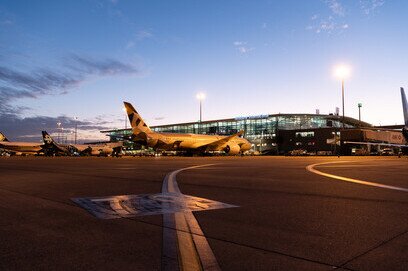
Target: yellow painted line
pixel 312 169
pixel 340 166
pixel 171 185
pixel 188 257
pixel 194 251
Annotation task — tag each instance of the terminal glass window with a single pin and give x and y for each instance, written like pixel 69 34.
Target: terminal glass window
pixel 304 134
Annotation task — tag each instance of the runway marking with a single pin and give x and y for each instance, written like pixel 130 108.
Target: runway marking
pixel 146 204
pixel 194 252
pixel 312 169
pixel 339 166
pixel 184 244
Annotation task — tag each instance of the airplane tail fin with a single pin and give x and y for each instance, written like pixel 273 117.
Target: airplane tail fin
pixel 48 140
pixel 3 137
pixel 404 106
pixel 136 121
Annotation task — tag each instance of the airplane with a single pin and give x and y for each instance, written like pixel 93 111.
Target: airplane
pixel 404 129
pixel 190 143
pixel 20 148
pixel 51 147
pixel 405 109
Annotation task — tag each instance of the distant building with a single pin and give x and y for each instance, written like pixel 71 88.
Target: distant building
pixel 271 134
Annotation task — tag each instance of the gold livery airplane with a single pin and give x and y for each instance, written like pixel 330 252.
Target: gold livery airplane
pixel 404 129
pixel 232 144
pixel 105 149
pixel 20 148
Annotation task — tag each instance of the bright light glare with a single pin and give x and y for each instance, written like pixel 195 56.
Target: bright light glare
pixel 124 109
pixel 342 71
pixel 200 96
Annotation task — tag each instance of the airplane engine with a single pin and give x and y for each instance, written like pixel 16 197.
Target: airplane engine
pixel 232 149
pixel 245 147
pixel 95 152
pixel 151 142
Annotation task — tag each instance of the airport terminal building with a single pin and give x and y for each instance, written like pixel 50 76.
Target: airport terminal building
pixel 269 134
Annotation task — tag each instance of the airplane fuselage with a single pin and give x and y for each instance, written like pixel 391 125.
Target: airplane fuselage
pixel 96 149
pixel 21 147
pixel 232 144
pixel 178 141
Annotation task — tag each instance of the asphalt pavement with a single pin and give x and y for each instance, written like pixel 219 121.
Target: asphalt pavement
pixel 285 217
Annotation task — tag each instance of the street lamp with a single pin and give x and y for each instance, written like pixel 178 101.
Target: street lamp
pixel 124 131
pixel 342 72
pixel 76 129
pixel 359 112
pixel 200 96
pixel 59 131
pixel 124 110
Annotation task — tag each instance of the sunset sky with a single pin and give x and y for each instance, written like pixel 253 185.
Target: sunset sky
pixel 65 59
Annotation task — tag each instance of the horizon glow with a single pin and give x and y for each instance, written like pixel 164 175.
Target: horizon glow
pixel 67 59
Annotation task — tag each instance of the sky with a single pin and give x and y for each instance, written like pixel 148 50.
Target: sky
pixel 62 60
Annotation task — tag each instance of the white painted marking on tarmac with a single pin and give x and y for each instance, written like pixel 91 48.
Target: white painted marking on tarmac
pixel 146 204
pixel 185 246
pixel 194 252
pixel 312 169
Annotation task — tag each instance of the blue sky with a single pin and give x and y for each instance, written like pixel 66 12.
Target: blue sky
pixel 66 59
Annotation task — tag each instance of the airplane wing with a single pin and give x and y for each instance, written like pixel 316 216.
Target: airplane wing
pixel 114 144
pixel 219 143
pixel 377 144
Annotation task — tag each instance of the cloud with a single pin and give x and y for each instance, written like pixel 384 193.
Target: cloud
pixel 130 44
pixel 143 34
pixel 328 26
pixel 6 22
pixel 242 47
pixel 335 7
pixel 29 128
pixel 6 18
pixel 16 84
pixel 138 37
pixel 333 23
pixel 17 128
pixel 368 6
pixel 106 67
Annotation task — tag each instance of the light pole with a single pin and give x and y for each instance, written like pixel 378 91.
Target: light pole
pixel 342 72
pixel 76 129
pixel 124 110
pixel 59 131
pixel 342 100
pixel 126 116
pixel 200 96
pixel 359 113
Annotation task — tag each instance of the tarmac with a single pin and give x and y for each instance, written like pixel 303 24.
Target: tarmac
pixel 347 213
